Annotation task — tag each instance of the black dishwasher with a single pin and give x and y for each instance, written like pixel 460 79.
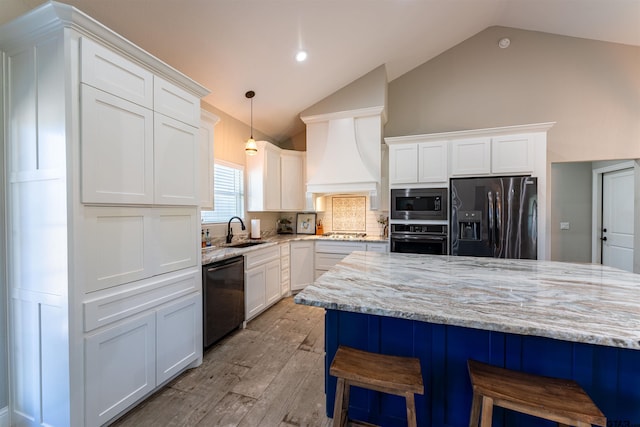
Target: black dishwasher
pixel 223 298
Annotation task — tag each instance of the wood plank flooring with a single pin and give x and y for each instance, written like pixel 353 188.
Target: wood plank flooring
pixel 269 374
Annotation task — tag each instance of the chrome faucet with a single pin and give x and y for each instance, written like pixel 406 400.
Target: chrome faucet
pixel 229 231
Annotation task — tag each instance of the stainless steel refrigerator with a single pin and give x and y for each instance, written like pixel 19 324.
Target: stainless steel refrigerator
pixel 494 217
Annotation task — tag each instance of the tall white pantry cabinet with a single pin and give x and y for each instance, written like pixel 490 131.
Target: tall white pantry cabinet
pixel 101 144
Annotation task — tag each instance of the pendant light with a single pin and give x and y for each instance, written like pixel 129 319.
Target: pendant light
pixel 250 147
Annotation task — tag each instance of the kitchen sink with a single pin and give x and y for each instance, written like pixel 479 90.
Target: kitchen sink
pixel 245 244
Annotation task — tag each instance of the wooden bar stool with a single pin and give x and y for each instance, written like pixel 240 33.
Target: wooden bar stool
pixel 388 374
pixel 559 400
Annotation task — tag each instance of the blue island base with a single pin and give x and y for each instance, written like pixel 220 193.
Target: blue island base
pixel 611 376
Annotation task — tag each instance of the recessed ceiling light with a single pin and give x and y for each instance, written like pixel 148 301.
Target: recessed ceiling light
pixel 301 56
pixel 504 43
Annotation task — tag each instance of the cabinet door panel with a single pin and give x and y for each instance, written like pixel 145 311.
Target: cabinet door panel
pixel 403 164
pixel 124 252
pixel 179 336
pixel 176 162
pixel 206 136
pixel 302 264
pixel 176 232
pixel 292 176
pixel 272 282
pixel 512 154
pixel 432 162
pixel 120 367
pixel 471 156
pixel 254 288
pixel 272 180
pixel 104 69
pixel 117 149
pixel 175 102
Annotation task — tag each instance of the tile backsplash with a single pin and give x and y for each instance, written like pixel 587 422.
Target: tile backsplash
pixel 350 214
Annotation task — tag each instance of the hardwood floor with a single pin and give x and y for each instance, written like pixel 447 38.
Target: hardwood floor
pixel 269 374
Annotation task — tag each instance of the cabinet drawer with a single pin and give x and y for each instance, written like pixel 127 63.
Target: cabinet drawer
pixel 261 256
pixel 377 247
pixel 175 102
pixel 339 247
pixel 107 70
pixel 326 261
pixel 108 307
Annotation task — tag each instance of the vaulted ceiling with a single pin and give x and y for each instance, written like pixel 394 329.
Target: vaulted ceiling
pixel 232 46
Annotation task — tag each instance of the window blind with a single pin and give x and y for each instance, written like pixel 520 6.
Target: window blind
pixel 228 193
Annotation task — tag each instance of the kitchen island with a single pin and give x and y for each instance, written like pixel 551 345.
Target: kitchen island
pixel 577 321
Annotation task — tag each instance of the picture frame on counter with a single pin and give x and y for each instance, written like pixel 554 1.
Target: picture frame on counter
pixel 306 223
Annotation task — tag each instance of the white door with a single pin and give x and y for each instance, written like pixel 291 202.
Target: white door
pixel 617 219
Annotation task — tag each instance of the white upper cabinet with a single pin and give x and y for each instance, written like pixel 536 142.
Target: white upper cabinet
pixel 106 70
pixel 117 161
pixel 403 163
pixel 139 133
pixel 275 179
pixel 471 156
pixel 205 158
pixel 413 162
pixel 512 154
pixel 172 101
pixel 292 165
pixel 175 154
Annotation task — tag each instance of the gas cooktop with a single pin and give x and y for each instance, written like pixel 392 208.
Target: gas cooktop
pixel 344 236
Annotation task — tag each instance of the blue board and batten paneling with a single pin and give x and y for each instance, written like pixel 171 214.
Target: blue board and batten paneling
pixel 611 376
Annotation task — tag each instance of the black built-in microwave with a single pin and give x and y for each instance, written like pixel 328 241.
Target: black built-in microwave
pixel 419 203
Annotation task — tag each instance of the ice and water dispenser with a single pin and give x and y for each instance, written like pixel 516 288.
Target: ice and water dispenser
pixel 470 225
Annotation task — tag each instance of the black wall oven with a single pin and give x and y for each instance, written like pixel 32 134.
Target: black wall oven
pixel 419 203
pixel 419 238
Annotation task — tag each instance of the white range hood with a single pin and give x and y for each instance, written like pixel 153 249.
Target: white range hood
pixel 344 154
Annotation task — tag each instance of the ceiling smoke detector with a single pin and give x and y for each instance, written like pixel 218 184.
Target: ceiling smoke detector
pixel 504 43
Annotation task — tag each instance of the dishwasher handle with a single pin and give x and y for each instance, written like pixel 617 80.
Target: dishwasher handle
pixel 214 266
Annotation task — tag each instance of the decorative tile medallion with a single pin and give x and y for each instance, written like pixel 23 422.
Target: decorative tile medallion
pixel 349 214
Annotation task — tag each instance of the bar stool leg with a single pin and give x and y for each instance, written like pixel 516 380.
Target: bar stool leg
pixel 339 411
pixel 411 409
pixel 487 411
pixel 474 418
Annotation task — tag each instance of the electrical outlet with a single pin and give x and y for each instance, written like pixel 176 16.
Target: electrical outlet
pixel 564 226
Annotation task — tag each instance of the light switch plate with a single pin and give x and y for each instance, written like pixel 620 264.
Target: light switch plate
pixel 564 226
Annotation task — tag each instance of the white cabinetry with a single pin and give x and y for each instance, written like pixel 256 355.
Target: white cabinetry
pixel 262 280
pixel 285 268
pixel 129 153
pixel 302 264
pixel 328 252
pixel 275 179
pixel 127 360
pixel 117 161
pixel 499 155
pixel 292 177
pixel 416 162
pixel 206 141
pixel 98 291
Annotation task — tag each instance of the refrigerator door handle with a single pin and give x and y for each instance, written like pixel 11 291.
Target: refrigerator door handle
pixel 498 235
pixel 490 222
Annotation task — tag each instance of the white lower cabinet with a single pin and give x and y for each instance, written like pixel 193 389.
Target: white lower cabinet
pixel 127 360
pixel 179 337
pixel 262 285
pixel 285 275
pixel 120 367
pixel 302 254
pixel 328 253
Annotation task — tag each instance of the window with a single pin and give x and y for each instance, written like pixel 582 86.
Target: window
pixel 228 193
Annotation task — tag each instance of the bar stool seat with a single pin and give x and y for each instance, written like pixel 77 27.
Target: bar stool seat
pixel 396 375
pixel 554 399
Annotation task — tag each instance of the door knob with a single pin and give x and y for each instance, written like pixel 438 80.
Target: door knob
pixel 604 230
pixel 604 238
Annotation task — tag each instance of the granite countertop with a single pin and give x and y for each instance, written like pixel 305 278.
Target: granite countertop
pixel 585 303
pixel 216 253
